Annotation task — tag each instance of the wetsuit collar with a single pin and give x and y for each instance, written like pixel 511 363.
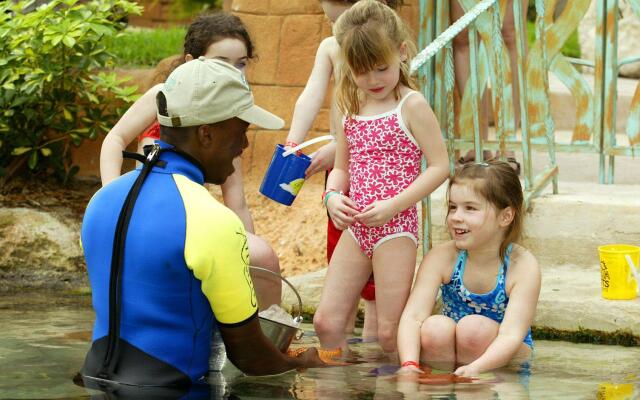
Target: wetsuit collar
pixel 179 162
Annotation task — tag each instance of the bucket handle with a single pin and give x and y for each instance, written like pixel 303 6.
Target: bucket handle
pixel 634 271
pixel 298 317
pixel 305 144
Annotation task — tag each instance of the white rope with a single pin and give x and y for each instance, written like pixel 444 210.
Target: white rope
pixel 445 37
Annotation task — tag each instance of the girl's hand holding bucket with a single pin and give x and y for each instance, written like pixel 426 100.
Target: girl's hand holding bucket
pixel 286 172
pixel 322 160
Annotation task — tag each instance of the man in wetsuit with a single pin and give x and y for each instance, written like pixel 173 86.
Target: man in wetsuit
pixel 167 262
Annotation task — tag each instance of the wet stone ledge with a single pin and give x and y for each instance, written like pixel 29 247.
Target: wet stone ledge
pixel 40 249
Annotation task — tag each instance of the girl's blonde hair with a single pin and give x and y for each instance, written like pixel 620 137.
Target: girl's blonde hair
pixel 498 184
pixel 370 34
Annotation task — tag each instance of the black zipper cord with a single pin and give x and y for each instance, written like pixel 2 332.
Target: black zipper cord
pixel 117 260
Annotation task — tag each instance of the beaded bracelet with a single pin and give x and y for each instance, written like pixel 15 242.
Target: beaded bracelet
pixel 411 363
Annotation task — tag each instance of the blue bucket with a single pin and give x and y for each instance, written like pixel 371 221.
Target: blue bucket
pixel 285 175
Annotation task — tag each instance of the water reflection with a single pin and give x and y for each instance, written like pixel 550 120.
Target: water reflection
pixel 44 338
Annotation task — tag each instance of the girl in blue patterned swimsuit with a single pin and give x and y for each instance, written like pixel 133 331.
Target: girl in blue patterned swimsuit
pixel 489 284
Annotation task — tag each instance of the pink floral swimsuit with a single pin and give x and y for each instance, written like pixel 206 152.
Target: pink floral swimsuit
pixel 384 159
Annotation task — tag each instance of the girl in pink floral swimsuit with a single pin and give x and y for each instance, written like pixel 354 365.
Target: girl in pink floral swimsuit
pixel 386 130
pixel 384 159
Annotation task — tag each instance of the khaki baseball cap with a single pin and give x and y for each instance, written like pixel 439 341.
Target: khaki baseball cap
pixel 205 91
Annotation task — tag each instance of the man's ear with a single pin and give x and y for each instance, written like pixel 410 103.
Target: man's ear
pixel 506 217
pixel 205 136
pixel 188 57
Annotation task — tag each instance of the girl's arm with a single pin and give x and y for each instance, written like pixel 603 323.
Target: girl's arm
pixel 420 304
pixel 311 99
pixel 233 196
pixel 340 207
pixel 518 317
pixel 423 125
pixel 138 117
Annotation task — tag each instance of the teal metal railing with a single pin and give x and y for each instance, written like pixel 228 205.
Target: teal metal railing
pixel 459 117
pixel 607 68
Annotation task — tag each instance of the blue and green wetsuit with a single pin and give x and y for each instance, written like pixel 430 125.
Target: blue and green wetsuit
pixel 183 268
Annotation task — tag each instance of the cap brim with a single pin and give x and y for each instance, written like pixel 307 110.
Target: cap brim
pixel 261 117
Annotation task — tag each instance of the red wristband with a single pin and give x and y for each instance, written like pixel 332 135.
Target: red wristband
pixel 291 144
pixel 410 363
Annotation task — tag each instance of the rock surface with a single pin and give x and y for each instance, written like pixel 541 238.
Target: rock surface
pixel 628 32
pixel 39 248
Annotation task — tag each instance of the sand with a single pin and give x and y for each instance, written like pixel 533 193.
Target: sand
pixel 297 233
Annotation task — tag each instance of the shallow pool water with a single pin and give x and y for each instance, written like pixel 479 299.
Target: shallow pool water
pixel 44 337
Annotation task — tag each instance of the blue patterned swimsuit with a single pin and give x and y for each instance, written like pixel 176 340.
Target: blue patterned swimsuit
pixel 459 302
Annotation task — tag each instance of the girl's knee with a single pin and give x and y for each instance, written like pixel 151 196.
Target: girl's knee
pixel 437 331
pixel 388 337
pixel 324 325
pixel 320 323
pixel 271 261
pixel 475 331
pixel 263 256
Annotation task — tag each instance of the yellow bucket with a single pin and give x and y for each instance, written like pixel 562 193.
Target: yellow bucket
pixel 612 391
pixel 617 275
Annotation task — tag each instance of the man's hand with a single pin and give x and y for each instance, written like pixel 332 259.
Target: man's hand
pixel 310 359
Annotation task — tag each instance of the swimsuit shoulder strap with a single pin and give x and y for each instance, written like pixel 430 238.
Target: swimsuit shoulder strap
pixel 404 98
pixel 461 261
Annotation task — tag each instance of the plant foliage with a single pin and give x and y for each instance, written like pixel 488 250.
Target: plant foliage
pixel 55 88
pixel 136 47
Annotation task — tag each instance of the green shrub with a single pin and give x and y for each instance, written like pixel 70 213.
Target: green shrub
pixel 54 88
pixel 145 47
pixel 187 8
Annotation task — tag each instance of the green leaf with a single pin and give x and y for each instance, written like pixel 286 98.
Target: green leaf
pixel 56 40
pixel 33 160
pixel 93 98
pixel 101 29
pixel 20 150
pixel 76 139
pixel 68 41
pixel 50 58
pixel 67 114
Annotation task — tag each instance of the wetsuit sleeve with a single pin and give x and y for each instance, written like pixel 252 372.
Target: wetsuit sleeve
pixel 217 252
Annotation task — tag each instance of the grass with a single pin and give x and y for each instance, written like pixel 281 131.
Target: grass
pixel 137 47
